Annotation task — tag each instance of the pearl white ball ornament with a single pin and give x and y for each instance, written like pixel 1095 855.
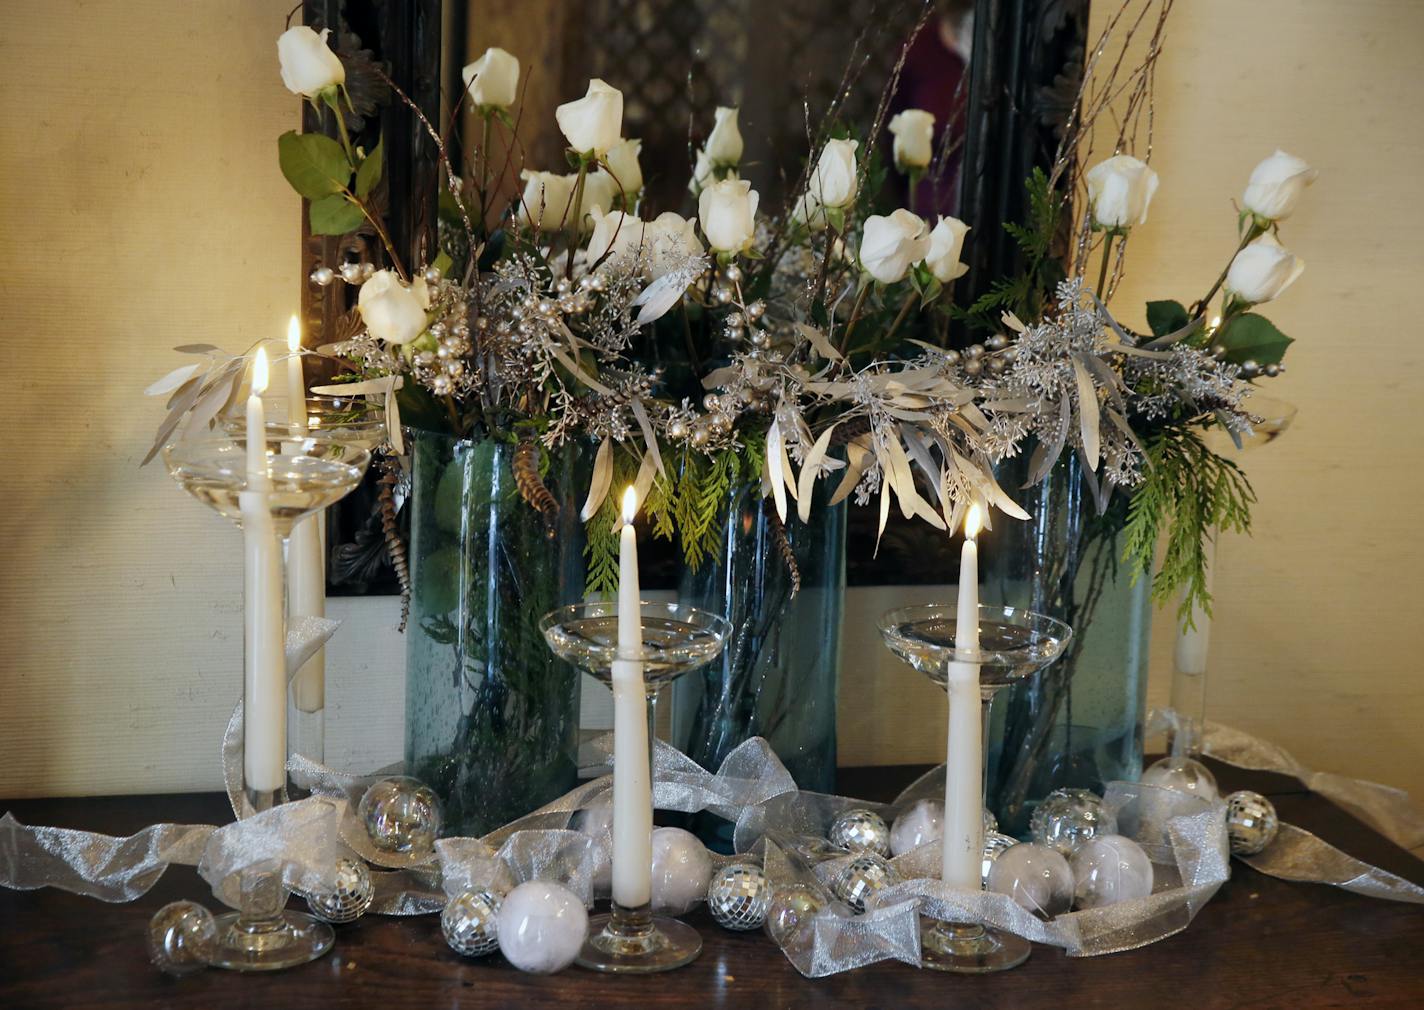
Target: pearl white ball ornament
pixel 1109 869
pixel 542 927
pixel 1036 877
pixel 681 871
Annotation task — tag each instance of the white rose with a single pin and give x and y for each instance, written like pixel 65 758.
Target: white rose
pixel 833 181
pixel 493 79
pixel 724 143
pixel 309 66
pixel 547 199
pixel 622 161
pixel 1119 190
pixel 891 245
pixel 1262 270
pixel 616 235
pixel 670 240
pixel 391 311
pixel 1276 185
pixel 946 245
pixel 594 122
pixel 914 139
pixel 727 210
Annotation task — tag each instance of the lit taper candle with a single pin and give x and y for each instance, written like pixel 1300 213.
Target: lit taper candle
pixel 963 846
pixel 632 773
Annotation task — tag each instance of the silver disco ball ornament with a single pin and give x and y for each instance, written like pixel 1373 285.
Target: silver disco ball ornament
pixel 470 923
pixel 738 896
pixel 861 831
pixel 401 814
pixel 791 908
pixel 348 900
pixel 1251 822
pixel 1070 818
pixel 182 938
pixel 995 843
pixel 865 875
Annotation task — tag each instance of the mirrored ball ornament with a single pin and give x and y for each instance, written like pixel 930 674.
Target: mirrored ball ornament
pixel 350 896
pixel 1182 774
pixel 542 926
pixel 1036 877
pixel 401 814
pixel 995 843
pixel 470 923
pixel 738 896
pixel 1070 818
pixel 919 824
pixel 182 938
pixel 1108 869
pixel 861 878
pixel 681 870
pixel 861 831
pixel 1251 822
pixel 792 907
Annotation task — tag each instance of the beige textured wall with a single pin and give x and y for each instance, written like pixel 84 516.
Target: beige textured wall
pixel 143 208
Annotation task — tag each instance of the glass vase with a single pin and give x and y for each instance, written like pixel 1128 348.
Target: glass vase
pixel 491 717
pixel 1080 721
pixel 777 676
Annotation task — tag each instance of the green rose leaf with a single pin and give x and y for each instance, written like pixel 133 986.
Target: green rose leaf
pixel 313 163
pixel 1166 317
pixel 369 174
pixel 1255 338
pixel 335 215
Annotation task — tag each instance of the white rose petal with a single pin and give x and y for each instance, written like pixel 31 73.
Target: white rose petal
pixel 1120 190
pixel 891 245
pixel 1262 270
pixel 622 161
pixel 493 79
pixel 914 139
pixel 1276 186
pixel 593 123
pixel 833 180
pixel 946 246
pixel 392 311
pixel 309 66
pixel 727 211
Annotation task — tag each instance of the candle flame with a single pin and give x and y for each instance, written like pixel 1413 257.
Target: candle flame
pixel 294 335
pixel 630 505
pixel 973 520
pixel 259 372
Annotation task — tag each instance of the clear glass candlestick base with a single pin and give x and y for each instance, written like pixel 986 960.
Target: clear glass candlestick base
pixel 1013 644
pixel 676 640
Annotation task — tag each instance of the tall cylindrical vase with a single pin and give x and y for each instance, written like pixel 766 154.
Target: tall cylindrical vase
pixel 491 716
pixel 1080 721
pixel 777 676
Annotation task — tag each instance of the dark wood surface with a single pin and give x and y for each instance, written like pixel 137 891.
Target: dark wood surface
pixel 1260 944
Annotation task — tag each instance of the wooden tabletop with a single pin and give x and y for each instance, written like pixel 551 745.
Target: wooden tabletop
pixel 1260 944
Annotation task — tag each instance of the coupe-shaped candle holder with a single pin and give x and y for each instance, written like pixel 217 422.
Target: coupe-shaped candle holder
pixel 1013 644
pixel 676 640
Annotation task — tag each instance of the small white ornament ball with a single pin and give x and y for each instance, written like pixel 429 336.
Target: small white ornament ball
pixel 1109 869
pixel 1069 818
pixel 995 843
pixel 1251 822
pixel 470 923
pixel 1036 877
pixel 681 871
pixel 919 824
pixel 1185 775
pixel 861 831
pixel 182 938
pixel 542 927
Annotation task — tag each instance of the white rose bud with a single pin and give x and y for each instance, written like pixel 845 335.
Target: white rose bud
pixel 616 235
pixel 493 79
pixel 547 199
pixel 670 240
pixel 946 245
pixel 309 66
pixel 914 139
pixel 724 143
pixel 622 160
pixel 1119 190
pixel 392 311
pixel 1276 185
pixel 1262 270
pixel 727 210
pixel 891 245
pixel 833 181
pixel 593 123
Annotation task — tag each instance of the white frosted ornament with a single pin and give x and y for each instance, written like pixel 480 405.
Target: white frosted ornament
pixel 1182 774
pixel 542 927
pixel 1036 877
pixel 681 871
pixel 1109 869
pixel 921 823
